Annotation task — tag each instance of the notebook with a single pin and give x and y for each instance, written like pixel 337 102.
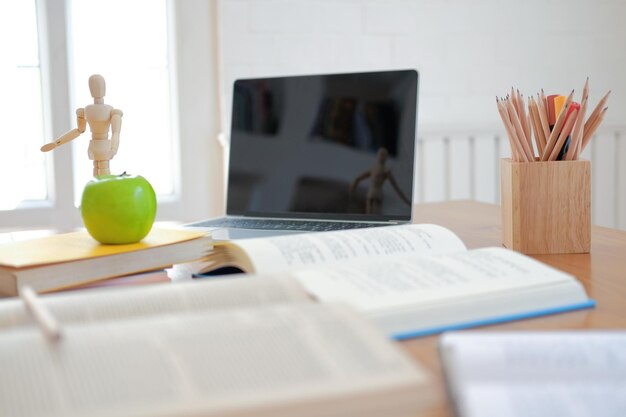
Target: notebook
pixel 319 152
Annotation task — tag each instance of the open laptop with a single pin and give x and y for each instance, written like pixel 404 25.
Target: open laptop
pixel 319 152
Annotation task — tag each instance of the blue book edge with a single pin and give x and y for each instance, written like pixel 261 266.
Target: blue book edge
pixel 495 320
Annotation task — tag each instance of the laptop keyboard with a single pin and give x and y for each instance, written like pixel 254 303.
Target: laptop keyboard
pixel 268 224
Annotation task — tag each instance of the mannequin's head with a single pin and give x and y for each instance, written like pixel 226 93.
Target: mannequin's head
pixel 97 87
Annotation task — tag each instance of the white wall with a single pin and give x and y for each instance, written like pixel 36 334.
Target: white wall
pixel 467 52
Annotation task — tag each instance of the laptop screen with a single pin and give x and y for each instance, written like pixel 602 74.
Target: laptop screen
pixel 333 146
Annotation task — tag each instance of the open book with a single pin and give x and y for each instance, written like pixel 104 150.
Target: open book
pixel 410 288
pixel 575 374
pixel 275 254
pixel 413 280
pixel 190 349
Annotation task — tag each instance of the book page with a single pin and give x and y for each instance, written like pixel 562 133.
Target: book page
pixel 311 249
pixel 536 373
pixel 418 280
pixel 257 362
pixel 124 303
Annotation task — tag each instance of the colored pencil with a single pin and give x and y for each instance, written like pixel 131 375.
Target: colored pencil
pixel 585 90
pixel 521 113
pixel 567 129
pixel 543 115
pixel 536 125
pixel 518 129
pixel 556 130
pixel 517 151
pixel 577 134
pixel 550 107
pixel 588 134
pixel 553 126
pixel 595 113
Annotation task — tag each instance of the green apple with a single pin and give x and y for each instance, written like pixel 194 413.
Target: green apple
pixel 118 209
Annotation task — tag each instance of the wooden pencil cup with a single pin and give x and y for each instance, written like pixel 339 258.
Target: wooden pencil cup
pixel 546 206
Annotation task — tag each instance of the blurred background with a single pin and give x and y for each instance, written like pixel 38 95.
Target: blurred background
pixel 170 66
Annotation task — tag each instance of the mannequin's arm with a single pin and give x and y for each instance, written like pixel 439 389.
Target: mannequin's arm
pixel 392 179
pixel 116 127
pixel 358 179
pixel 71 135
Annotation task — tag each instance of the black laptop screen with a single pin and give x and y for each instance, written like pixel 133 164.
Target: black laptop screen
pixel 338 146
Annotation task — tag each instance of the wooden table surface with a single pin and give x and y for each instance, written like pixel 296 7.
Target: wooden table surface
pixel 602 272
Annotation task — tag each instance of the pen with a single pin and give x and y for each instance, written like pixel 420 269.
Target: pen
pixel 45 320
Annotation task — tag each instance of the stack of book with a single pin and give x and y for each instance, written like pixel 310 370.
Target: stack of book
pixel 66 260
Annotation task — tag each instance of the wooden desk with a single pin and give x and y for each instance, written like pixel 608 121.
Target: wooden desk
pixel 602 272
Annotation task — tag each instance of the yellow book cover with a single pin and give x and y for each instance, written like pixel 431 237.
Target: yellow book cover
pixel 66 260
pixel 75 246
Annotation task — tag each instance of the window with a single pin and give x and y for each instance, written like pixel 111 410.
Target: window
pixel 159 61
pixel 135 64
pixel 22 168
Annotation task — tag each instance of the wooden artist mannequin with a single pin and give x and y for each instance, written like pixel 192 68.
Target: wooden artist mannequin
pixel 100 118
pixel 378 174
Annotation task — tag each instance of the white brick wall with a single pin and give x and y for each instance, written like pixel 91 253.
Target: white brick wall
pixel 467 52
